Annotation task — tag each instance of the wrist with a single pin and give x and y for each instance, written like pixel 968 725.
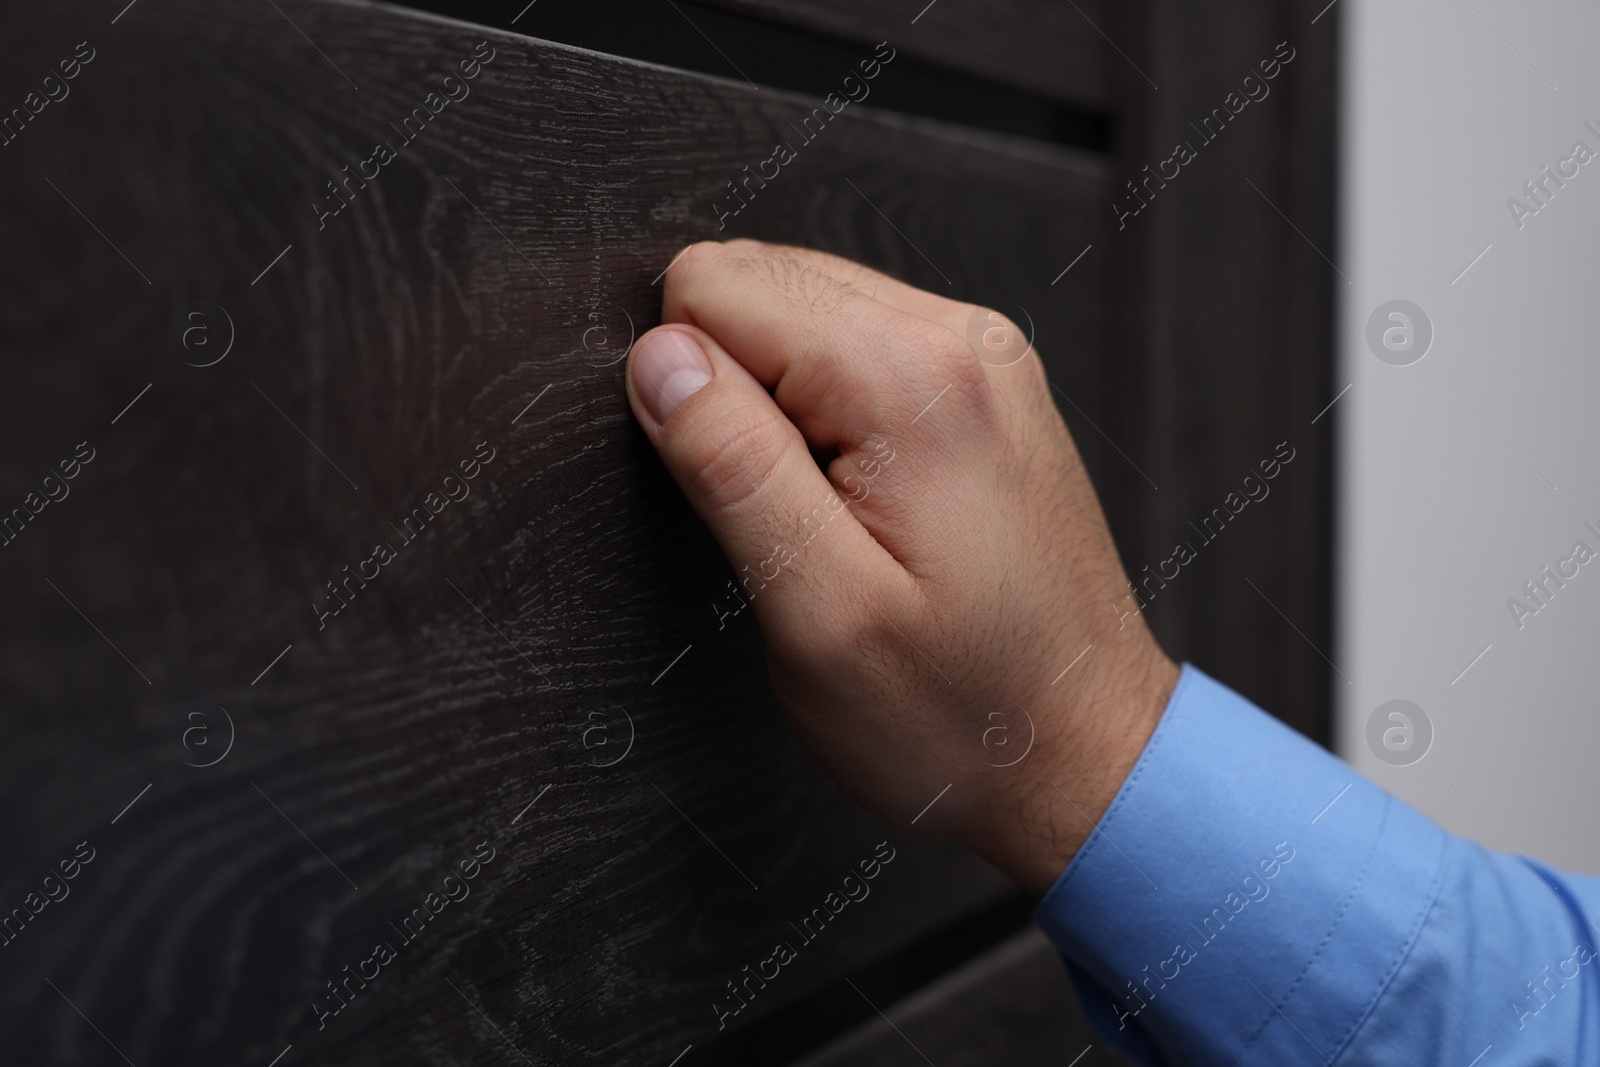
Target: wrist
pixel 1038 814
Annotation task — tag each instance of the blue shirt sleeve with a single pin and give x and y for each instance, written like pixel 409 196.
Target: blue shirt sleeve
pixel 1250 899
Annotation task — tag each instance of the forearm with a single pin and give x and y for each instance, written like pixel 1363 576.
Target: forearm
pixel 1249 898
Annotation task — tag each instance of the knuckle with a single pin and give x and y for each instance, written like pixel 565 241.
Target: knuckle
pixel 1002 324
pixel 855 640
pixel 802 279
pixel 941 351
pixel 996 339
pixel 693 259
pixel 934 359
pixel 934 343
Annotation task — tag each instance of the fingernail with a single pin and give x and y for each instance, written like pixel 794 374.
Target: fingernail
pixel 668 367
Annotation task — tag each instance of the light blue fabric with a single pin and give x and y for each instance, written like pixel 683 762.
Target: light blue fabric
pixel 1250 899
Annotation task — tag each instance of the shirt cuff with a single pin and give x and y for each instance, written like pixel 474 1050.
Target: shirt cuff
pixel 1246 894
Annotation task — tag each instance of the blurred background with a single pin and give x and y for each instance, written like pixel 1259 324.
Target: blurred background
pixel 1465 474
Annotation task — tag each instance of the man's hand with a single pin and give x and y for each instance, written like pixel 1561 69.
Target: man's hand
pixel 924 583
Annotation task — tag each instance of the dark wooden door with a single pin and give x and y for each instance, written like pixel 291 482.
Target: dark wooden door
pixel 360 661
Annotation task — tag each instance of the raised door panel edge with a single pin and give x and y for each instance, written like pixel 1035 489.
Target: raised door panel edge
pixel 1057 50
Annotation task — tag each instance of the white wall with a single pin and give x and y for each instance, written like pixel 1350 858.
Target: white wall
pixel 1443 515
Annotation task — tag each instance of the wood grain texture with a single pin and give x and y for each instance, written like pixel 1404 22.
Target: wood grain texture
pixel 475 293
pixel 1230 342
pixel 1014 1005
pixel 1057 50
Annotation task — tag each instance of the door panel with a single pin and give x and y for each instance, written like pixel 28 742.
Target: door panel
pixel 279 746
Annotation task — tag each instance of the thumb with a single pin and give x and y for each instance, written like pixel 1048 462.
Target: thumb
pixel 796 548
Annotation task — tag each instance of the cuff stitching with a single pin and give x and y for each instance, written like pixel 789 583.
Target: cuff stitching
pixel 1404 954
pixel 1327 938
